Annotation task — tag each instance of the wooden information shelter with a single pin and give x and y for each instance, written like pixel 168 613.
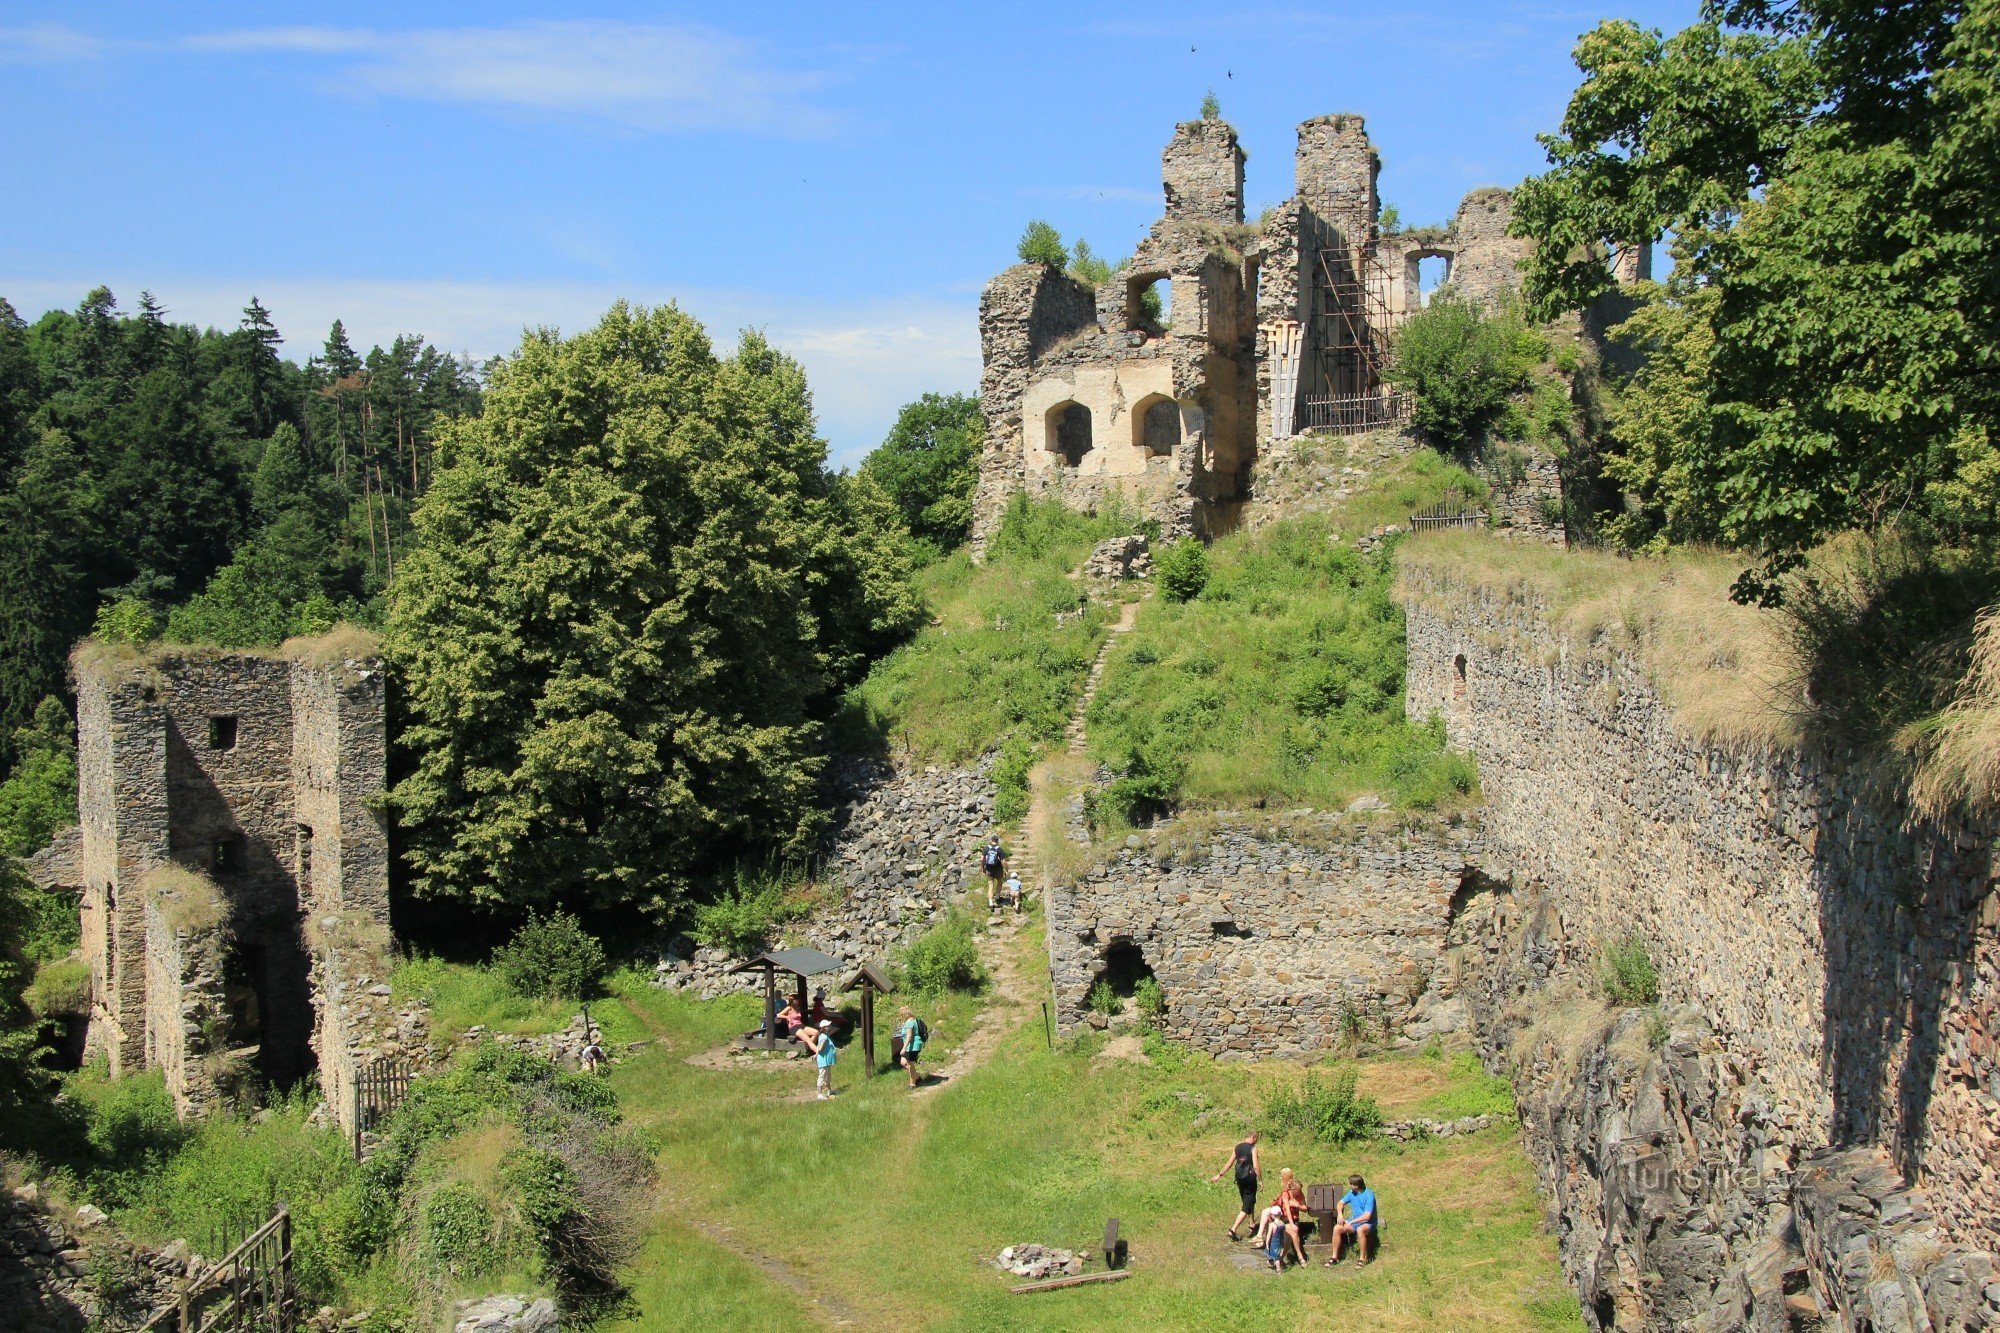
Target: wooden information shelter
pixel 870 979
pixel 801 963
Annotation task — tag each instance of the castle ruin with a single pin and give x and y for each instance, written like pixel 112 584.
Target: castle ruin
pixel 1269 331
pixel 232 864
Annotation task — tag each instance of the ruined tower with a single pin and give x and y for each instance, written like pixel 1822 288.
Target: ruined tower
pixel 1269 332
pixel 231 861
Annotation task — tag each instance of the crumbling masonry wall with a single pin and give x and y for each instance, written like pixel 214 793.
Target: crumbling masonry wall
pixel 186 1012
pixel 1832 960
pixel 1268 323
pixel 262 774
pixel 1268 938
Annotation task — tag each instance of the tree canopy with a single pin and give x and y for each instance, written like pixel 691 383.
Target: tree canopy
pixel 636 591
pixel 929 466
pixel 1829 173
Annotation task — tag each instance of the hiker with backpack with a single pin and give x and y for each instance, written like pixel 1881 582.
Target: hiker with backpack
pixel 993 860
pixel 1242 1162
pixel 910 1038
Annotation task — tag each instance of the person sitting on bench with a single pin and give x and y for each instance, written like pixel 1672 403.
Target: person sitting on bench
pixel 790 1020
pixel 1280 1231
pixel 1357 1221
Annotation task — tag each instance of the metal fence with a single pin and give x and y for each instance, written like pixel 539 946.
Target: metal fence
pixel 248 1291
pixel 379 1088
pixel 1350 414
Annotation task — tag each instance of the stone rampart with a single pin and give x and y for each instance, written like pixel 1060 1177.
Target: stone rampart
pixel 186 1012
pixel 1266 940
pixel 1828 959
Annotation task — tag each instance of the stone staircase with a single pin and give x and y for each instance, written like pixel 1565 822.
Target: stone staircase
pixel 1074 733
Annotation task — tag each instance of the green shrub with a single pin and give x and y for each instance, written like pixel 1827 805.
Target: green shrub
pixel 945 957
pixel 552 957
pixel 127 620
pixel 1182 569
pixel 59 988
pixel 1011 769
pixel 1463 365
pixel 1657 1030
pixel 762 899
pixel 1211 109
pixel 1150 999
pixel 1042 244
pixel 1627 974
pixel 456 1230
pixel 1142 793
pixel 1102 999
pixel 1328 1110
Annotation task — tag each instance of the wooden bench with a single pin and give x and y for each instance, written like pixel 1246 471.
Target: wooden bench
pixel 1114 1246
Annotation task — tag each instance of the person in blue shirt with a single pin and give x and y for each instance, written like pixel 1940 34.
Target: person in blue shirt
pixel 1357 1221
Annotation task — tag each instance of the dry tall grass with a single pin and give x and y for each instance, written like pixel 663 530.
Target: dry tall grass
pixel 1727 671
pixel 1960 763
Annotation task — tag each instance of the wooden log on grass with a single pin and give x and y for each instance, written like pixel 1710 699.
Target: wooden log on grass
pixel 1084 1280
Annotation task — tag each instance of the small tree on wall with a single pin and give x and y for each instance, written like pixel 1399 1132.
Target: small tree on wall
pixel 1042 244
pixel 1211 109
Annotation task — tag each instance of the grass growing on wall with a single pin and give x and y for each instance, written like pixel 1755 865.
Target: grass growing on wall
pixel 1283 679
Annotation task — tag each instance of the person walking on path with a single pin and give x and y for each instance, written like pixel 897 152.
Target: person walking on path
pixel 1243 1161
pixel 993 860
pixel 1357 1221
pixel 910 1038
pixel 820 1039
pixel 1013 890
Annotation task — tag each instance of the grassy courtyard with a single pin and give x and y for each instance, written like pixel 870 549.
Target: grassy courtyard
pixel 880 1208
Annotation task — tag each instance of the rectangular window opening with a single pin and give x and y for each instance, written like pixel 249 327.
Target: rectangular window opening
pixel 222 733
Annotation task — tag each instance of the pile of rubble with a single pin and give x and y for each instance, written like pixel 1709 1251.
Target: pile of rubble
pixel 1119 559
pixel 506 1314
pixel 1407 1131
pixel 1036 1262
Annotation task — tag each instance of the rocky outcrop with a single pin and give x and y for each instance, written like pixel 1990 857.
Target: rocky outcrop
pixel 903 844
pixel 506 1314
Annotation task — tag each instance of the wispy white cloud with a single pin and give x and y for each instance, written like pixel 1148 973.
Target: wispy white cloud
pixel 657 78
pixel 48 42
pixel 652 77
pixel 863 359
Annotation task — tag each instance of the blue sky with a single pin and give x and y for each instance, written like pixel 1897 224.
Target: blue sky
pixel 844 176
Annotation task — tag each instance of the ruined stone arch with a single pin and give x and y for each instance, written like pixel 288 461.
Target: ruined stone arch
pixel 1156 426
pixel 1137 319
pixel 1068 432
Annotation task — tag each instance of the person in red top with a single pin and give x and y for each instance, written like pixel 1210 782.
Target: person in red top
pixel 1280 1230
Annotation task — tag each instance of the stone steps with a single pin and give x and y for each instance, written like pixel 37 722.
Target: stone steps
pixel 1074 733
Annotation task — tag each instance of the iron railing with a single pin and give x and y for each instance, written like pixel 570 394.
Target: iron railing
pixel 248 1291
pixel 1350 414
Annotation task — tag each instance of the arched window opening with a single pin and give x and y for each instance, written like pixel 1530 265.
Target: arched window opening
pixel 1156 427
pixel 1433 272
pixel 1069 432
pixel 1149 304
pixel 1121 976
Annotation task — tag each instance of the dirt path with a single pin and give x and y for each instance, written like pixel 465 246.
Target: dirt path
pixel 1128 616
pixel 830 1309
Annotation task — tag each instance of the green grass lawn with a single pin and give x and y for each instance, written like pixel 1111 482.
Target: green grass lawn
pixel 886 1205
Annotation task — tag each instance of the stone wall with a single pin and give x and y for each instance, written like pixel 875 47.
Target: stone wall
pixel 187 1019
pixel 1486 261
pixel 1334 172
pixel 1266 940
pixel 1202 171
pixel 261 773
pixel 65 1277
pixel 903 845
pixel 1839 949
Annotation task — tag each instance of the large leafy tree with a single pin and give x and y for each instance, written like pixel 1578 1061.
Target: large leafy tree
pixel 1828 172
pixel 635 590
pixel 929 466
